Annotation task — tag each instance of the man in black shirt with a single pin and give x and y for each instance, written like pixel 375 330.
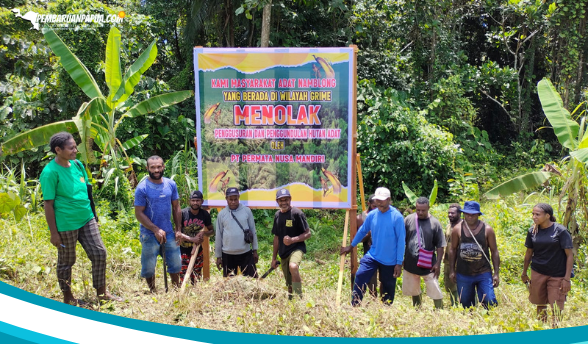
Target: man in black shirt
pixel 194 221
pixel 290 230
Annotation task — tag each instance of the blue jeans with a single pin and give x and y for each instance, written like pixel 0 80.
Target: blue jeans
pixel 468 285
pixel 151 249
pixel 367 268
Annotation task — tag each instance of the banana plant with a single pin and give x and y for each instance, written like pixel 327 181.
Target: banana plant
pixel 412 197
pixel 98 119
pixel 572 136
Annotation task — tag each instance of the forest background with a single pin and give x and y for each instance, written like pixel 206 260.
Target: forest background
pixel 447 91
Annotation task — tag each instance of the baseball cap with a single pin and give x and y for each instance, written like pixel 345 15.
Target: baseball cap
pixel 282 193
pixel 382 194
pixel 232 192
pixel 196 194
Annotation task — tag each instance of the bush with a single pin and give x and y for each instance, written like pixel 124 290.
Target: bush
pixel 398 144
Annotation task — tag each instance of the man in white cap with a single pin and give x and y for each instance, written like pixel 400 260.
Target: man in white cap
pixel 290 232
pixel 387 252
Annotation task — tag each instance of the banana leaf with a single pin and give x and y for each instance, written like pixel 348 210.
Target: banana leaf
pixel 520 183
pixel 581 155
pixel 112 71
pixel 133 74
pixel 409 194
pixel 36 137
pixel 564 127
pixel 134 141
pixel 89 113
pixel 433 195
pixel 155 103
pixel 76 69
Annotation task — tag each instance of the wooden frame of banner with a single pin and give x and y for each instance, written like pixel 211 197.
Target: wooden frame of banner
pixel 351 214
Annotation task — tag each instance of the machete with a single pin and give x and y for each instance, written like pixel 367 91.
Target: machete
pixel 268 271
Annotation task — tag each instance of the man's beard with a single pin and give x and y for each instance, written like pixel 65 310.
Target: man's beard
pixel 152 176
pixel 195 207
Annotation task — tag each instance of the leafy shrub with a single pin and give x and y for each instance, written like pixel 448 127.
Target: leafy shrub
pixel 398 144
pixel 117 191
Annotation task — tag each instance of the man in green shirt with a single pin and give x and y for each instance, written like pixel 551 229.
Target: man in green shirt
pixel 70 217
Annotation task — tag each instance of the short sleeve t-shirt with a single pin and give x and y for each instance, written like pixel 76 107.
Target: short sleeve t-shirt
pixel 432 238
pixel 291 223
pixel 157 198
pixel 66 186
pixel 193 224
pixel 549 244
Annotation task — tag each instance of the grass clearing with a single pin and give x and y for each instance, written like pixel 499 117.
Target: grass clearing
pixel 27 261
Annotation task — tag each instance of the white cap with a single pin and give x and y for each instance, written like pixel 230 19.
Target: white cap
pixel 382 194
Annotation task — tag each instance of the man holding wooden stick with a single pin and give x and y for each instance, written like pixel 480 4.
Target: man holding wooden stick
pixel 196 224
pixel 290 232
pixel 387 252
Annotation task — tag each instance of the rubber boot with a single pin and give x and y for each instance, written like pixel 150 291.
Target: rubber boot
pixel 297 288
pixel 438 303
pixel 416 301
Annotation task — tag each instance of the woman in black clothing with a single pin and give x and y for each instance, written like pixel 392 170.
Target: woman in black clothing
pixel 549 251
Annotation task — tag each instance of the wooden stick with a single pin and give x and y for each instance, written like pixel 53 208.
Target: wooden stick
pixel 188 274
pixel 360 177
pixel 342 262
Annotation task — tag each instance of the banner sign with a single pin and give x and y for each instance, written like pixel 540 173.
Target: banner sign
pixel 269 118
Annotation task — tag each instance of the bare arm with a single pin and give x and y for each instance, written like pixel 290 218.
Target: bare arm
pixel 50 217
pixel 436 269
pixel 566 285
pixel 302 237
pixel 146 222
pixel 526 262
pixel 491 240
pixel 455 233
pixel 177 215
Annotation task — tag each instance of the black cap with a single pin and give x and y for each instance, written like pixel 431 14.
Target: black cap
pixel 282 193
pixel 196 194
pixel 232 192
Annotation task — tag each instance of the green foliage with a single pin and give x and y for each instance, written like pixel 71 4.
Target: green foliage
pixel 397 143
pixel 18 194
pixel 117 191
pixel 183 169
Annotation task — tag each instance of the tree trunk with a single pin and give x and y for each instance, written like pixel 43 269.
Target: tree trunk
pixel 265 24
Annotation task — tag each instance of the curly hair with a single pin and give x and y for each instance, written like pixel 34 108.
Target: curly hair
pixel 59 140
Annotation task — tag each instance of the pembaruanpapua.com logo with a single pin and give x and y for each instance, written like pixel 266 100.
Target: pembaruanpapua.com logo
pixel 36 18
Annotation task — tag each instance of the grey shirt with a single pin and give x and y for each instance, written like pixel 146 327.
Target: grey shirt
pixel 229 236
pixel 432 238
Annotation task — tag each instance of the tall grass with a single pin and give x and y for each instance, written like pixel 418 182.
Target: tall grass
pixel 28 262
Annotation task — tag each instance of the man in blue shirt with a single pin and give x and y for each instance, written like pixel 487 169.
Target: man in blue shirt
pixel 156 200
pixel 387 252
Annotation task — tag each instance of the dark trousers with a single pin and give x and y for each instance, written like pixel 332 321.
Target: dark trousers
pixel 234 262
pixel 367 268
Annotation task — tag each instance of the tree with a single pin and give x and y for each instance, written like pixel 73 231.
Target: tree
pixel 97 120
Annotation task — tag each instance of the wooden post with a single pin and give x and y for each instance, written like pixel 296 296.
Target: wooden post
pixel 360 179
pixel 342 262
pixel 353 177
pixel 206 258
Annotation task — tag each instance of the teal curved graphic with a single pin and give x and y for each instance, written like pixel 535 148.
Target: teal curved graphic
pixel 13 334
pixel 563 336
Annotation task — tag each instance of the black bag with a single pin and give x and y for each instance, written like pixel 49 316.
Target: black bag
pixel 89 189
pixel 247 233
